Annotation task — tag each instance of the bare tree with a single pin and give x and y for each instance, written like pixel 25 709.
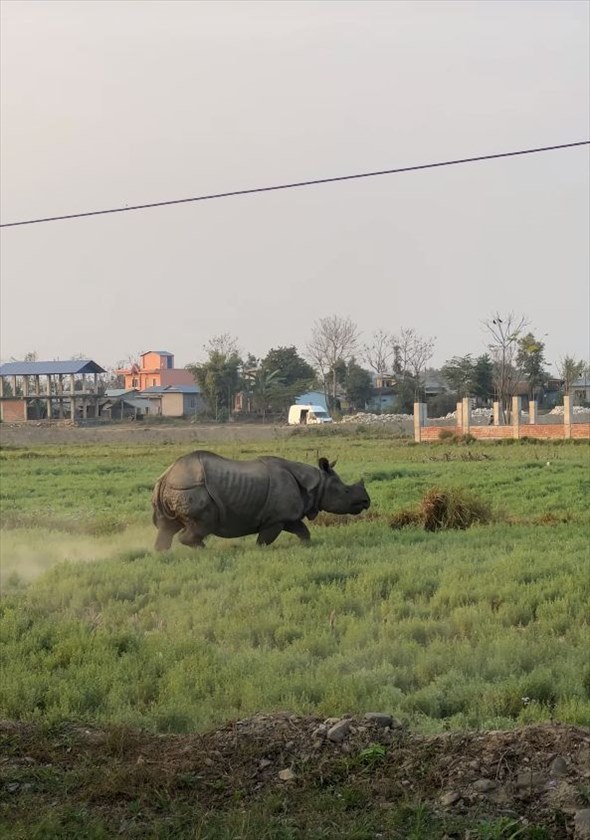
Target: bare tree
pixel 333 339
pixel 505 333
pixel 570 369
pixel 412 352
pixel 380 353
pixel 225 344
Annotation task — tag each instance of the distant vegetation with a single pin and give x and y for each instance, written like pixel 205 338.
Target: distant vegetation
pixel 479 628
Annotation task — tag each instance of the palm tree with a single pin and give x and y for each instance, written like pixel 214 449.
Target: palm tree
pixel 262 384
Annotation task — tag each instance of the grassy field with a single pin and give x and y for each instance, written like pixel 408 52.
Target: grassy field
pixel 484 628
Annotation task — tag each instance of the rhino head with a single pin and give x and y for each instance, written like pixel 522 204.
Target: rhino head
pixel 338 497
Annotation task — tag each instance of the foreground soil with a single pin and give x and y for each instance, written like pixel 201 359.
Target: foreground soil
pixel 284 776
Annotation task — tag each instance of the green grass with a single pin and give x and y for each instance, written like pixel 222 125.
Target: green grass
pixel 447 630
pixel 481 628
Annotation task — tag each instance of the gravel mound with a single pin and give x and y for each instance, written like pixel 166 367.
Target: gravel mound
pixel 536 774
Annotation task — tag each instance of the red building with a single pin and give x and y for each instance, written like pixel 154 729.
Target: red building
pixel 155 369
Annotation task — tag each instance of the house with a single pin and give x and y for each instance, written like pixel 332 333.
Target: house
pixel 175 400
pixel 580 390
pixel 46 390
pixel 434 384
pixel 385 392
pixel 155 370
pixel 125 407
pixel 124 404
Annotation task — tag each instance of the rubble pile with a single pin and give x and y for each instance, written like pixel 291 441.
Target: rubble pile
pixel 377 419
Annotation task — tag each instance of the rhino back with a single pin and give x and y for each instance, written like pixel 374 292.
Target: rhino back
pixel 240 489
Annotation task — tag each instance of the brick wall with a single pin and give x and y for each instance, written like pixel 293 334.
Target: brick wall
pixel 580 431
pixel 13 410
pixel 542 430
pixel 491 432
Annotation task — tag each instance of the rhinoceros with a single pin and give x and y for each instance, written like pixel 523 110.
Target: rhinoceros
pixel 203 493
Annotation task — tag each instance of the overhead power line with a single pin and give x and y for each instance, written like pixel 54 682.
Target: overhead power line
pixel 314 182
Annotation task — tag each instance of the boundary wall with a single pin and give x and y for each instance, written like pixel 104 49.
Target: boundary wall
pixel 498 430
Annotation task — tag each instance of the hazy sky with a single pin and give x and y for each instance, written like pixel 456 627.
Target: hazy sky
pixel 113 103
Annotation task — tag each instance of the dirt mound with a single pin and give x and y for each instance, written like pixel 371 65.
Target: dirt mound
pixel 537 776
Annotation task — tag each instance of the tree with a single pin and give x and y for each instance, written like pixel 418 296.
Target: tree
pixel 483 378
pixel 459 372
pixel 569 370
pixel 262 384
pixel 505 334
pixel 219 376
pixel 358 385
pixel 224 343
pixel 411 355
pixel 292 368
pixel 332 338
pixel 530 361
pixel 380 353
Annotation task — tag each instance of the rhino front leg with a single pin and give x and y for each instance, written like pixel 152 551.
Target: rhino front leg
pixel 166 530
pixel 300 530
pixel 269 535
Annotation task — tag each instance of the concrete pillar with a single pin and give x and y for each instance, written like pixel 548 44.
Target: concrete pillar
pixel 1 386
pixel 459 416
pixel 37 385
pixel 419 420
pixel 49 396
pixel 72 397
pixel 497 414
pixel 516 407
pixel 60 391
pixel 532 412
pixel 14 386
pixel 26 394
pixel 568 416
pixel 466 415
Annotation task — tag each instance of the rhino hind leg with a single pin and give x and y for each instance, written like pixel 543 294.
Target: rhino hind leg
pixel 192 535
pixel 300 530
pixel 166 530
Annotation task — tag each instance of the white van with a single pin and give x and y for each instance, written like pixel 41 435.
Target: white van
pixel 308 415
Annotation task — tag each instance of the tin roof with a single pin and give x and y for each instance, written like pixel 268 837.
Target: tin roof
pixel 118 392
pixel 159 352
pixel 172 389
pixel 50 368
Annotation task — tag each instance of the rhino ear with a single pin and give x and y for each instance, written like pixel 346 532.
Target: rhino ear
pixel 333 463
pixel 325 465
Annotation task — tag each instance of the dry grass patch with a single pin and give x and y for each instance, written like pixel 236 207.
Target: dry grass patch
pixel 444 509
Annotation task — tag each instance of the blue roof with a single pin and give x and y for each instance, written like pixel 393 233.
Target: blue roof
pixel 159 352
pixel 312 398
pixel 172 389
pixel 50 368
